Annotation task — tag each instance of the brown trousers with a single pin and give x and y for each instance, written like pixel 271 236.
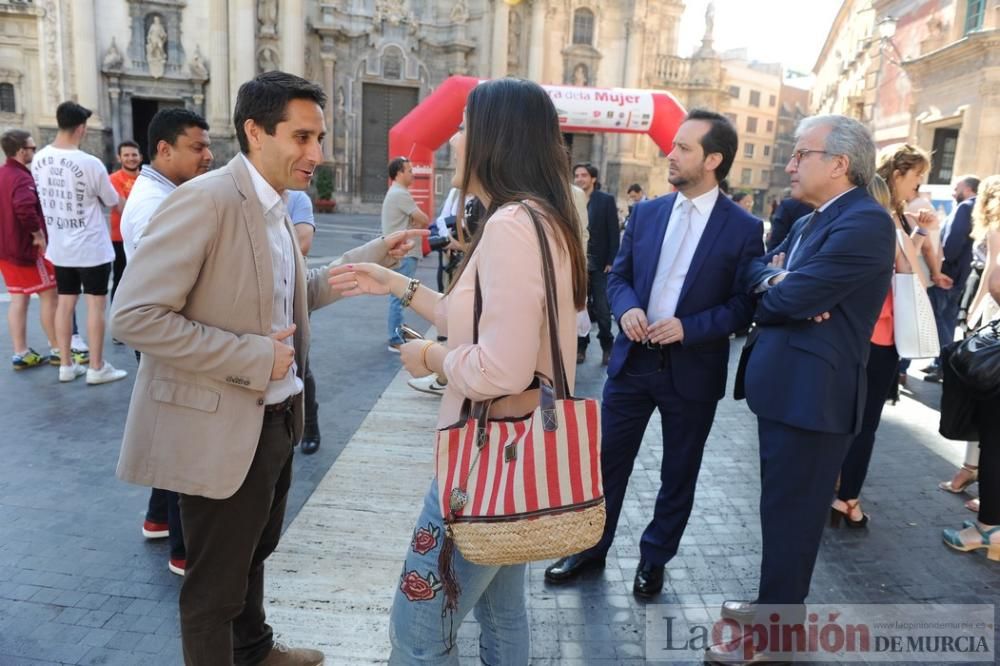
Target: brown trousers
pixel 222 598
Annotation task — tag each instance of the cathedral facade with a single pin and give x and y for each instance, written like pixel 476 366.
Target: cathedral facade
pixel 376 59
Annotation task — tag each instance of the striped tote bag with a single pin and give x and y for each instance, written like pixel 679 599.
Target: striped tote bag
pixel 518 490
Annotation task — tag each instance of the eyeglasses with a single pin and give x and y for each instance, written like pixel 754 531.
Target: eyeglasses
pixel 802 152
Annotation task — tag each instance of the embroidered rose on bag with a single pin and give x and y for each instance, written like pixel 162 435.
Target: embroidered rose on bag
pixel 425 539
pixel 418 588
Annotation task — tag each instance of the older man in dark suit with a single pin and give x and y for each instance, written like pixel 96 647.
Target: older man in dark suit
pixel 820 293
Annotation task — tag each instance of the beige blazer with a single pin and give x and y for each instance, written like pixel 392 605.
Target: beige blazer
pixel 196 301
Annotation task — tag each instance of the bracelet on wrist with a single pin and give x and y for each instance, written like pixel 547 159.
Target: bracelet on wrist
pixel 423 354
pixel 921 231
pixel 411 289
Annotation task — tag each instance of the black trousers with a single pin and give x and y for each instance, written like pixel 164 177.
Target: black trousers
pixel 600 311
pixel 988 420
pixel 164 507
pixel 882 368
pixel 118 268
pixel 311 405
pixel 222 598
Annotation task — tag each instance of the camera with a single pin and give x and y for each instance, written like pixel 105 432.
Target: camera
pixel 438 242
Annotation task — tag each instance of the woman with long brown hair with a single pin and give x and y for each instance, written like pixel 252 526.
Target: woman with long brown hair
pixel 509 152
pixel 900 169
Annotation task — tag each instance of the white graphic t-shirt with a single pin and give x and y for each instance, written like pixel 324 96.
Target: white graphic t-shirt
pixel 72 185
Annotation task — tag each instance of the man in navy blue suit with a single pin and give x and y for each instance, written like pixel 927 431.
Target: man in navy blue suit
pixel 677 294
pixel 803 367
pixel 956 246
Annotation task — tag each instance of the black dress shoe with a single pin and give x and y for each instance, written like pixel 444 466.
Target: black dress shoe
pixel 310 445
pixel 648 580
pixel 741 611
pixel 933 376
pixel 606 357
pixel 572 566
pixel 581 356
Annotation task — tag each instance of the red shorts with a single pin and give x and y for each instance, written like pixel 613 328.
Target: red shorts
pixel 28 279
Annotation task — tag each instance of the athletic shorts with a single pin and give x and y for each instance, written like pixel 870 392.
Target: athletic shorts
pixel 93 280
pixel 39 277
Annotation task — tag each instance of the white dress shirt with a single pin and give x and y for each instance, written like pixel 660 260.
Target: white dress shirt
pixel 788 259
pixel 150 189
pixel 672 268
pixel 283 265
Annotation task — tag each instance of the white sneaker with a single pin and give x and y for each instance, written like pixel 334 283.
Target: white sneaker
pixel 428 384
pixel 77 344
pixel 106 374
pixel 68 373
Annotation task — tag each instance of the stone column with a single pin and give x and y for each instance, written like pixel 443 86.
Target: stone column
pixel 536 54
pixel 329 86
pixel 85 66
pixel 242 55
pixel 498 53
pixel 220 108
pixel 114 92
pixel 291 26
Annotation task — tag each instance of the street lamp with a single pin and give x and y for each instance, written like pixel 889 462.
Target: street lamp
pixel 887 28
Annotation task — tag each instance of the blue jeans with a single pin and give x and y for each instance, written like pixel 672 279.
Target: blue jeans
pixel 407 267
pixel 418 624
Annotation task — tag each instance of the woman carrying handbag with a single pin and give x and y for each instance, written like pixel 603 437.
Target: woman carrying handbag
pixel 499 316
pixel 984 533
pixel 899 173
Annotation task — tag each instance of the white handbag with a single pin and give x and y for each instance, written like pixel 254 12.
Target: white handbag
pixel 913 325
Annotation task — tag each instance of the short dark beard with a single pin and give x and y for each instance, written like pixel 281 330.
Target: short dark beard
pixel 132 171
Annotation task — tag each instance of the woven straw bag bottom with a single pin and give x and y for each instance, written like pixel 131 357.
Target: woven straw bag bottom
pixel 520 541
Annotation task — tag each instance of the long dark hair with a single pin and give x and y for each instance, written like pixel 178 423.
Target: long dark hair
pixel 514 151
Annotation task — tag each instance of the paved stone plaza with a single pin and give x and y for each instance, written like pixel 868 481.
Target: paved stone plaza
pixel 79 585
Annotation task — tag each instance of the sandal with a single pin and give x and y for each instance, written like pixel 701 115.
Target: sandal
pixel 971 476
pixel 953 539
pixel 973 505
pixel 837 515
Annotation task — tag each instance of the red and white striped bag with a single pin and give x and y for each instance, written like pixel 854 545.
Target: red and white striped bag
pixel 518 490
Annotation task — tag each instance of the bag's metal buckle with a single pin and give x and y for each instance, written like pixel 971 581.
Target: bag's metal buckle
pixel 509 452
pixel 458 499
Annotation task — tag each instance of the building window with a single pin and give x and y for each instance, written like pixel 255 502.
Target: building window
pixel 734 91
pixel 751 124
pixel 765 176
pixel 748 149
pixel 943 157
pixel 7 102
pixel 583 27
pixel 767 151
pixel 731 117
pixel 770 126
pixel 754 98
pixel 746 176
pixel 974 10
pixel 772 101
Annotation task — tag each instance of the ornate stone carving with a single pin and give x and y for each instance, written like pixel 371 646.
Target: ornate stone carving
pixel 113 60
pixel 196 66
pixel 267 17
pixel 156 47
pixel 268 59
pixel 513 38
pixel 460 13
pixel 393 12
pixel 53 64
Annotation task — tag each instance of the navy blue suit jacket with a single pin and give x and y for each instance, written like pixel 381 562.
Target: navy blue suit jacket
pixel 713 301
pixel 810 375
pixel 957 247
pixel 602 224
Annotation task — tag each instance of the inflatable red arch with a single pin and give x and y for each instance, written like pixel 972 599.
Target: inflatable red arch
pixel 432 122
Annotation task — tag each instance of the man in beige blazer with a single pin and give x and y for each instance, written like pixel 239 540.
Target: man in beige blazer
pixel 217 301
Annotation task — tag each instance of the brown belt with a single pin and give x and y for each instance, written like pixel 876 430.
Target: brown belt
pixel 279 407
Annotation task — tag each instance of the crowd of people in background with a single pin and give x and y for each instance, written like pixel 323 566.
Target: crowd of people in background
pixel 222 396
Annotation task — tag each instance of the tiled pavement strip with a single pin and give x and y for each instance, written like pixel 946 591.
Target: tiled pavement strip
pixel 78 586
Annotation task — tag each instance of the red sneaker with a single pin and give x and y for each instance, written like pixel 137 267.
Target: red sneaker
pixel 177 566
pixel 152 530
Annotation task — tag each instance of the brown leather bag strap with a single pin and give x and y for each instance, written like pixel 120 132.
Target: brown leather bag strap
pixel 551 309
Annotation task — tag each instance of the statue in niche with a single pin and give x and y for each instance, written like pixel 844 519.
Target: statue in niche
pixel 196 67
pixel 580 75
pixel 113 60
pixel 513 38
pixel 460 12
pixel 710 20
pixel 267 60
pixel 340 101
pixel 156 47
pixel 267 16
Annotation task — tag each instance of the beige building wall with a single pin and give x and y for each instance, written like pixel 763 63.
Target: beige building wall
pixel 844 62
pixel 754 90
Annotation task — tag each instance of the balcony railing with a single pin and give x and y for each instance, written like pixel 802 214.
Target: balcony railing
pixel 672 69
